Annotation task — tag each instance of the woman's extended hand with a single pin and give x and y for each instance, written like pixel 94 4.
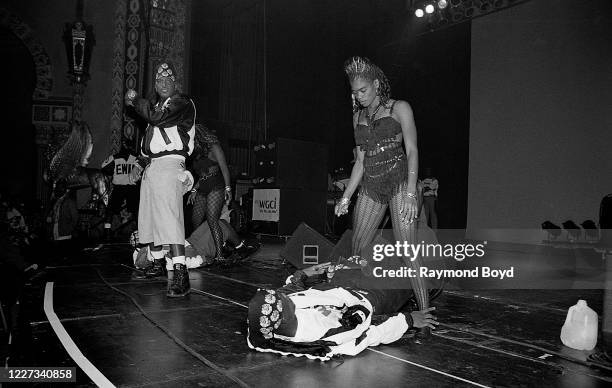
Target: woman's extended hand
pixel 192 196
pixel 424 318
pixel 342 207
pixel 409 209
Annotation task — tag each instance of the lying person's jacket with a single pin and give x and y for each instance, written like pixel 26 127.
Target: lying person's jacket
pixel 318 321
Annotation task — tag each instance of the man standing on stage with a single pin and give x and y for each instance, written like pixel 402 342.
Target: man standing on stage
pixel 167 142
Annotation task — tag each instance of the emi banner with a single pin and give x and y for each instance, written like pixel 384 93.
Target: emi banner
pixel 266 204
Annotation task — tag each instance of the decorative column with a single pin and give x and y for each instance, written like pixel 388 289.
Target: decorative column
pixel 167 37
pixel 79 41
pixel 146 31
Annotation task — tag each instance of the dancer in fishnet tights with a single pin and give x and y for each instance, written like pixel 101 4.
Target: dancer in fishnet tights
pixel 386 173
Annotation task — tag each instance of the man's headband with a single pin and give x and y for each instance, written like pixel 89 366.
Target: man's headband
pixel 265 312
pixel 165 70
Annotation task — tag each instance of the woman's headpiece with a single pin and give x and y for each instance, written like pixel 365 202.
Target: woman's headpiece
pixel 362 68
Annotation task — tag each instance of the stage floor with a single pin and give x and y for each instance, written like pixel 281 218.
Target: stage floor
pixel 127 332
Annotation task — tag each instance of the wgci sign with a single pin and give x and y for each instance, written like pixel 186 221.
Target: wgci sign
pixel 266 204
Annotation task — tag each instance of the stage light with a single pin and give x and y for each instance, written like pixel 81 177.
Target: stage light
pixel 429 8
pixel 419 13
pixel 442 4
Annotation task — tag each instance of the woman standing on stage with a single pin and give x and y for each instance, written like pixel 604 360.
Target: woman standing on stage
pixel 212 188
pixel 387 173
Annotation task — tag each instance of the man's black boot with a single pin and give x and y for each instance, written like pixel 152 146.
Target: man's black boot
pixel 180 284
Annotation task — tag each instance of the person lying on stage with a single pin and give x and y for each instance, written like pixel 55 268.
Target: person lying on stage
pixel 202 243
pixel 209 195
pixel 200 248
pixel 319 315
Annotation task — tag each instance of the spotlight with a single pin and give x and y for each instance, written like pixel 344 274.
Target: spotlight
pixel 429 8
pixel 419 13
pixel 442 4
pixel 553 230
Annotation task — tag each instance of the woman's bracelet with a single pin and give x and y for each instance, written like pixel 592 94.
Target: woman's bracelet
pixel 345 201
pixel 228 188
pixel 412 195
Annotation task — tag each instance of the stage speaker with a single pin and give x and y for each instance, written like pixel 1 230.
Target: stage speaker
pixel 306 247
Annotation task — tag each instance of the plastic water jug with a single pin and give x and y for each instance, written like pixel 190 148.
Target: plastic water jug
pixel 580 328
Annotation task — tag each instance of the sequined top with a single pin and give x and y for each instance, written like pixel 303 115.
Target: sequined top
pixel 382 130
pixel 385 162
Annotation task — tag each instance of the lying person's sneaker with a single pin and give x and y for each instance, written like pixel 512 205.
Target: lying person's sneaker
pixel 246 249
pixel 180 282
pixel 194 261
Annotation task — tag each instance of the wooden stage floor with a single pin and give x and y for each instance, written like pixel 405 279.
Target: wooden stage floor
pixel 133 336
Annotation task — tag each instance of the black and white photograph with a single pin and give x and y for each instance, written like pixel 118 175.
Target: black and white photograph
pixel 306 193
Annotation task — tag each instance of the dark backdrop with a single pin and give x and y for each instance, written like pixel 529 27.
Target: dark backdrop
pixel 308 97
pixel 18 156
